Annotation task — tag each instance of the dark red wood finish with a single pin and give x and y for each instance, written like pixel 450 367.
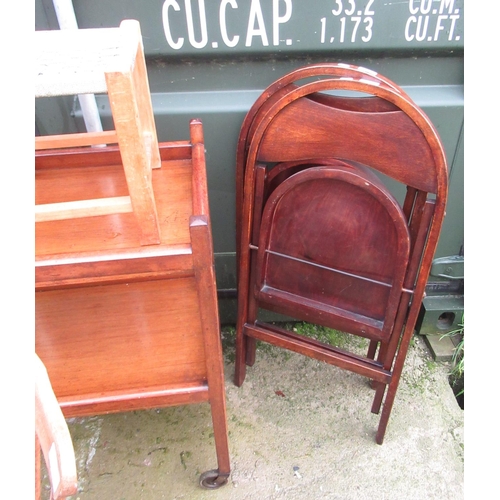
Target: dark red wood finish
pixel 320 237
pixel 281 87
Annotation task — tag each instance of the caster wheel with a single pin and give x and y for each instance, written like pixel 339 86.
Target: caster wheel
pixel 212 480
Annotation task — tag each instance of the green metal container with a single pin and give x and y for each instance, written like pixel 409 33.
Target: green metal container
pixel 211 60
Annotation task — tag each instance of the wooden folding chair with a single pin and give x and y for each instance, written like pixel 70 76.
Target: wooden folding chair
pixel 287 83
pixel 323 240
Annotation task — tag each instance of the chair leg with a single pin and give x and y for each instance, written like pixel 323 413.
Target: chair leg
pixel 386 411
pixel 248 350
pixel 245 354
pixel 241 338
pixel 251 343
pixel 377 386
pixel 215 478
pixel 241 354
pixel 379 396
pixel 396 376
pixel 251 349
pixel 372 349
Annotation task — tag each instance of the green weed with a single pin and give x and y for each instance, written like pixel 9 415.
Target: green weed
pixel 329 336
pixel 457 370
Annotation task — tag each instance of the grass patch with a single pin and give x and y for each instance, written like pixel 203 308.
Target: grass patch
pixel 323 334
pixel 228 339
pixel 335 338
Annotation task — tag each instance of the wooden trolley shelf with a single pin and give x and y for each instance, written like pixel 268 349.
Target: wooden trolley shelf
pixel 67 251
pixel 120 347
pixel 126 301
pixel 121 325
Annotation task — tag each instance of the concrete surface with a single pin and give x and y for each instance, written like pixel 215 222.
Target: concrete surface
pixel 298 429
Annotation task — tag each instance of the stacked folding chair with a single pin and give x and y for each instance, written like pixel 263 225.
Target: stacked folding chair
pixel 319 236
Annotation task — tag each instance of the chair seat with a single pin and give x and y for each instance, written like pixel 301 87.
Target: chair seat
pixel 336 238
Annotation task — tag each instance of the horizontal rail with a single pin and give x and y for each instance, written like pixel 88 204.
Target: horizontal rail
pixel 318 350
pixel 75 140
pixel 327 268
pixel 82 208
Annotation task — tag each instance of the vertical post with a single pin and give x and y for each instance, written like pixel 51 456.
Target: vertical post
pixel 131 107
pixel 207 296
pixel 204 271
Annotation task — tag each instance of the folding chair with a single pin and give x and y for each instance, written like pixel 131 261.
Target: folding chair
pixel 322 239
pixel 289 82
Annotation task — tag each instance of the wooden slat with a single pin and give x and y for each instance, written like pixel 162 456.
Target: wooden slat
pixel 110 155
pixel 75 140
pixel 126 401
pixel 82 208
pixel 121 266
pixel 408 160
pixel 319 351
pixel 130 102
